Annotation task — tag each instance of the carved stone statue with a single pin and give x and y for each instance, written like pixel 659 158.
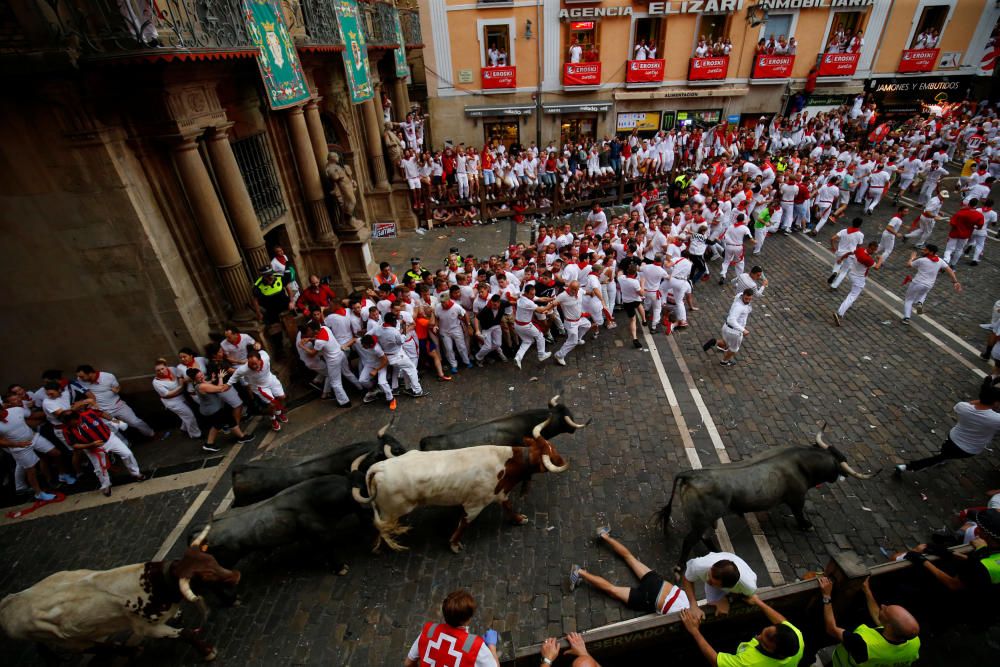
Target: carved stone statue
pixel 342 185
pixel 393 145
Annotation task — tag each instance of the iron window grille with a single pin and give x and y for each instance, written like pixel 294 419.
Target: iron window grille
pixel 257 167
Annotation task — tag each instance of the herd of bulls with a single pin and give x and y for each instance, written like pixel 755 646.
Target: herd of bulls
pixel 471 466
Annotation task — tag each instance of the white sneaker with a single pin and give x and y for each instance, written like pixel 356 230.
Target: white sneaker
pixel 517 362
pixel 544 357
pixel 560 360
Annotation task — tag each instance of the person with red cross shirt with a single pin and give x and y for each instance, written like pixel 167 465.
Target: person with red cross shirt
pixel 451 643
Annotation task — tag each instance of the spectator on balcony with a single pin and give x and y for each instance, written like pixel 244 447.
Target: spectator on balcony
pixel 854 46
pixel 575 52
pixel 492 56
pixel 641 50
pixel 702 50
pixel 761 48
pixel 792 46
pixel 502 57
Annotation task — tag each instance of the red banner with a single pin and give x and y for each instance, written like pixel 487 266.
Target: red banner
pixel 838 64
pixel 499 77
pixel 708 69
pixel 773 67
pixel 644 71
pixel 582 74
pixel 918 60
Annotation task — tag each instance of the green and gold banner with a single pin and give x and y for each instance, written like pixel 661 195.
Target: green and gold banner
pixel 402 69
pixel 359 81
pixel 276 56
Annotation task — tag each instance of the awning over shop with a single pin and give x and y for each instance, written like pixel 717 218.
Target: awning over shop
pixel 680 93
pixel 577 107
pixel 500 110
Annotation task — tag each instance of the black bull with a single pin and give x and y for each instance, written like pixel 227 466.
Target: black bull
pixel 509 430
pixel 759 483
pixel 260 480
pixel 307 511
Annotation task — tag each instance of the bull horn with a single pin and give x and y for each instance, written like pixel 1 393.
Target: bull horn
pixel 360 499
pixel 356 463
pixel 387 450
pixel 552 467
pixel 382 431
pixel 573 424
pixel 819 437
pixel 537 431
pixel 554 401
pixel 185 585
pixel 197 542
pixel 854 473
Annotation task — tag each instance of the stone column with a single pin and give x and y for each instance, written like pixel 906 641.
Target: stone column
pixel 316 133
pixel 214 229
pixel 236 197
pixel 402 95
pixel 373 141
pixel 312 184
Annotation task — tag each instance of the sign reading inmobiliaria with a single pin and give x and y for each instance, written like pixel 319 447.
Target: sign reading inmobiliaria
pixel 499 77
pixel 644 71
pixel 838 64
pixel 582 74
pixel 773 67
pixel 708 69
pixel 918 60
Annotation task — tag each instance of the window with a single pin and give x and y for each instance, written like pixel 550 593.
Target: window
pixel 506 132
pixel 846 32
pixel 257 167
pixel 647 39
pixel 713 36
pixel 496 41
pixel 776 36
pixel 703 118
pixel 583 43
pixel 929 27
pixel 578 130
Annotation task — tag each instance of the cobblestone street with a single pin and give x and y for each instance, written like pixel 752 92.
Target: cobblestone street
pixel 885 390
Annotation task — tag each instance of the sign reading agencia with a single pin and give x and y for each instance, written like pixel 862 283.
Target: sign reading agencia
pixel 706 6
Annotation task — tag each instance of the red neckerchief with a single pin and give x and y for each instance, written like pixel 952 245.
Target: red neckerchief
pixel 170 376
pixel 851 230
pixel 582 265
pixel 447 306
pixel 340 310
pixel 283 260
pixel 193 364
pixel 933 258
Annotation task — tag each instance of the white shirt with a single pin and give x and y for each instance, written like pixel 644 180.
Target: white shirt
pixel 164 386
pixel 572 306
pixel 848 242
pixel 53 405
pixel 525 310
pixel 260 378
pixel 975 428
pixel 450 319
pixel 927 271
pixel 237 352
pixel 575 53
pixel 698 569
pixel 738 315
pixel 15 428
pixel 340 325
pixel 600 222
pixel 103 388
pixel 736 234
pixel 652 276
pixel 630 289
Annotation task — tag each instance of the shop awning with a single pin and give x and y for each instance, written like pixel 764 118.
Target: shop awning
pixel 680 93
pixel 578 107
pixel 500 110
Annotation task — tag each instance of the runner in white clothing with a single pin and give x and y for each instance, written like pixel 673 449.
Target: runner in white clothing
pixel 925 223
pixel 373 370
pixel 452 322
pixel 927 267
pixel 577 325
pixel 24 444
pixel 652 275
pixel 734 240
pixel 843 244
pixel 104 387
pixel 733 329
pixel 527 327
pixel 170 388
pixel 889 235
pixel 263 383
pixel 877 183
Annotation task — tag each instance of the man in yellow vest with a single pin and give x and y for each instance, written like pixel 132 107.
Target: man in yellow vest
pixel 777 645
pixel 270 297
pixel 416 271
pixel 893 640
pixel 978 570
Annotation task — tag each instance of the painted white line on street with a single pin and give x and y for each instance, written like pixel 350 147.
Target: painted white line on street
pixel 689 448
pixel 811 247
pixel 766 553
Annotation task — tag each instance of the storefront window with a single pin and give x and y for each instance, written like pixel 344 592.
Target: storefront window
pixel 929 27
pixel 713 36
pixel 578 129
pixel 648 39
pixel 645 123
pixel 496 41
pixel 695 118
pixel 506 132
pixel 582 45
pixel 846 32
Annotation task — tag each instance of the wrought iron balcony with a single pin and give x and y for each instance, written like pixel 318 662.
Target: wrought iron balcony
pixel 409 19
pixel 115 28
pixel 378 23
pixel 320 25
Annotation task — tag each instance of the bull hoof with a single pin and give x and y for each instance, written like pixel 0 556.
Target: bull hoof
pixel 342 571
pixel 457 547
pixel 520 519
pixel 210 656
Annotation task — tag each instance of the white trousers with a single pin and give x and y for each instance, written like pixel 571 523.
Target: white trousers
pixel 953 251
pixel 679 288
pixel 574 332
pixel 915 293
pixel 450 340
pixel 841 271
pixel 492 340
pixel 403 364
pixel 334 378
pixel 825 209
pixel 529 335
pixel 381 379
pixel 651 303
pixel 886 245
pixel 593 306
pixel 759 234
pixel 787 214
pixel 734 256
pixel 463 185
pixel 923 231
pixel 189 423
pixel 98 457
pixel 978 244
pixel 857 285
pixel 874 196
pixel 125 413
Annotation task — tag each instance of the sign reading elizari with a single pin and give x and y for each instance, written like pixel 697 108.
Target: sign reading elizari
pixel 700 6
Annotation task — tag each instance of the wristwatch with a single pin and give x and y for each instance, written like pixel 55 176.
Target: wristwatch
pixel 546 661
pixel 826 599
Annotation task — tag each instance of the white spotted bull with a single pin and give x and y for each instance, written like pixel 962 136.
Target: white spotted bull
pixel 80 610
pixel 473 477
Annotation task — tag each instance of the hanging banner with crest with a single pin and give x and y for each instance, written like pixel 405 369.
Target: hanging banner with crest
pixel 359 81
pixel 277 59
pixel 402 69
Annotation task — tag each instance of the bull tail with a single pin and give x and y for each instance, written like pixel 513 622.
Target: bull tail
pixel 388 529
pixel 371 487
pixel 663 516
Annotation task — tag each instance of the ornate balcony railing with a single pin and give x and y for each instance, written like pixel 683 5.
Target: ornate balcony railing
pixel 320 23
pixel 409 19
pixel 377 22
pixel 109 28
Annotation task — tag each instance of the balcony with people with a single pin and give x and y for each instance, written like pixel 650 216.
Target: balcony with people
pixel 923 52
pixel 646 67
pixel 710 61
pixel 842 52
pixel 497 58
pixel 774 57
pixel 583 67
